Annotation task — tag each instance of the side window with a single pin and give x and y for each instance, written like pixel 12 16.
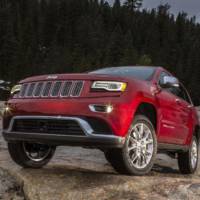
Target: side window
pixel 179 92
pixel 187 97
pixel 162 75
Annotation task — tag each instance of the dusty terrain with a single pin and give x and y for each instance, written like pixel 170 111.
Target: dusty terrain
pixel 77 173
pixel 9 187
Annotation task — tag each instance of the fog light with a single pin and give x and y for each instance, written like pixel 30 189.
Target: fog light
pixel 101 108
pixel 109 108
pixel 5 110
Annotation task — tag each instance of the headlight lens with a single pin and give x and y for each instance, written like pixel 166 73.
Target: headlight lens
pixel 111 86
pixel 15 89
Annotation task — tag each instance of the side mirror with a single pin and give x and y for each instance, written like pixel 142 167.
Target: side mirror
pixel 170 82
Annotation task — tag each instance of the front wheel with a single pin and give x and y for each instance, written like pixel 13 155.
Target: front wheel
pixel 139 151
pixel 188 161
pixel 30 155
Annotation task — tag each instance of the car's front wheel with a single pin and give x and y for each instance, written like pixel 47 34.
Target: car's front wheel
pixel 30 155
pixel 139 151
pixel 188 161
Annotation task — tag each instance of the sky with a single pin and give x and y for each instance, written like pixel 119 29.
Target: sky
pixel 192 7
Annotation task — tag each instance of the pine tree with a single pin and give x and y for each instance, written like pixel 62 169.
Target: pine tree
pixel 51 36
pixel 115 47
pixel 145 60
pixel 117 4
pixel 130 55
pixel 133 4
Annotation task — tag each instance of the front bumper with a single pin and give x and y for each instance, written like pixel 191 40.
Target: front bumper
pixel 89 137
pixel 118 120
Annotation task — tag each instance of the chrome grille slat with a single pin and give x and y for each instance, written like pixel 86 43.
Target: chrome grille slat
pixel 56 89
pixel 38 89
pixel 46 90
pixel 23 90
pixel 66 88
pixel 77 88
pixel 42 89
pixel 30 89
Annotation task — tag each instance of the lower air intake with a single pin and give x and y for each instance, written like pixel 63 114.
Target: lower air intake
pixel 50 126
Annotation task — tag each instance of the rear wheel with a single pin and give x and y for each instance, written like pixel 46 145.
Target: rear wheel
pixel 139 151
pixel 30 155
pixel 188 161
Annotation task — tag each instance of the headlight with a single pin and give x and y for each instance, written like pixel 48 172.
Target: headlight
pixel 109 86
pixel 15 89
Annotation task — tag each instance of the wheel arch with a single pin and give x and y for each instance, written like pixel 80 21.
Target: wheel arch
pixel 150 111
pixel 197 132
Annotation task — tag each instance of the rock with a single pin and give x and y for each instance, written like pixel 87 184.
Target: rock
pixel 9 188
pixel 77 173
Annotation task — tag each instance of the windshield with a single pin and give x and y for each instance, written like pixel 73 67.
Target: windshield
pixel 142 73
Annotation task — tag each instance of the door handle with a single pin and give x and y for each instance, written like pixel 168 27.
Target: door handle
pixel 178 101
pixel 190 106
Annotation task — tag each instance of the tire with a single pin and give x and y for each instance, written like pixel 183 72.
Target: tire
pixel 20 151
pixel 120 159
pixel 185 160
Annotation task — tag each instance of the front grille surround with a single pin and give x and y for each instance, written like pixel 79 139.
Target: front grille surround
pixel 52 89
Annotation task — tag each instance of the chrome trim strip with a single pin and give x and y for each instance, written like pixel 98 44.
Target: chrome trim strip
pixel 89 132
pixel 92 108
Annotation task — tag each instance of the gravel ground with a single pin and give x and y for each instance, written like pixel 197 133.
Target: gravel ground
pixel 77 173
pixel 9 188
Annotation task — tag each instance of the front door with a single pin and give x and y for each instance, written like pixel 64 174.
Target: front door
pixel 169 114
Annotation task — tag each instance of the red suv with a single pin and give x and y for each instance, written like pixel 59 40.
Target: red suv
pixel 130 113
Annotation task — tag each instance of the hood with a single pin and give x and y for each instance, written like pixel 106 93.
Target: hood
pixel 83 76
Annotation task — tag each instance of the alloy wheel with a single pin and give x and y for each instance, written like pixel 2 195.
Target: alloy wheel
pixel 36 152
pixel 140 145
pixel 194 154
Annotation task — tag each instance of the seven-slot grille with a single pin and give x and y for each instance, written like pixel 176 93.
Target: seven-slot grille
pixel 51 89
